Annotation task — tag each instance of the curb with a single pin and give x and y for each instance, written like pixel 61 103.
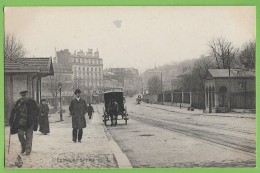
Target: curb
pixel 121 158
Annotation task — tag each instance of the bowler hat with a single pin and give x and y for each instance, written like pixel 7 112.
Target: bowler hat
pixel 23 93
pixel 77 91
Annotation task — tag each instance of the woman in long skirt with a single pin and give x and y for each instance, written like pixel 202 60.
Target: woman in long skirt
pixel 43 119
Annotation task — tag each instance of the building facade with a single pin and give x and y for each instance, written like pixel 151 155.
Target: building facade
pixel 87 70
pixel 234 90
pixel 127 78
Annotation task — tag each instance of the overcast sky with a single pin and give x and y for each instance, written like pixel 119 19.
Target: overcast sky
pixel 138 37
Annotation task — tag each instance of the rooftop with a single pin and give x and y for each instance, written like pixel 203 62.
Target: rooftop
pixel 37 65
pixel 224 73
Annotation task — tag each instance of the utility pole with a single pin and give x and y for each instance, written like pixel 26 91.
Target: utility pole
pixel 229 86
pixel 162 88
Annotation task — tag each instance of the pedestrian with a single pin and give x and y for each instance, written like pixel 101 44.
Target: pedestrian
pixel 78 109
pixel 90 111
pixel 44 119
pixel 24 120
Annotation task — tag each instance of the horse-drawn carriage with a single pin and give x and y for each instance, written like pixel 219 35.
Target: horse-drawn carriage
pixel 114 106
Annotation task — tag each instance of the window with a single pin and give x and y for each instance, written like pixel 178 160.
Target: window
pixel 75 60
pixel 79 68
pixel 78 60
pixel 91 69
pixel 83 68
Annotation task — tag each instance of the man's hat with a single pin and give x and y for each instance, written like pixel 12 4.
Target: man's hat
pixel 77 91
pixel 23 93
pixel 43 100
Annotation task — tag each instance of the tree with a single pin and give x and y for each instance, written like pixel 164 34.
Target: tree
pixel 224 53
pixel 154 84
pixel 247 55
pixel 13 47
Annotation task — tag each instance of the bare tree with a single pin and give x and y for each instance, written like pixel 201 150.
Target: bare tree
pixel 200 71
pixel 154 84
pixel 13 47
pixel 247 55
pixel 53 88
pixel 224 53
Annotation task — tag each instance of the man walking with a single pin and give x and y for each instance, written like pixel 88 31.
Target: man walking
pixel 78 109
pixel 90 111
pixel 24 120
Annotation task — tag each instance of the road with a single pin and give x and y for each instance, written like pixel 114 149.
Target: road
pixel 159 136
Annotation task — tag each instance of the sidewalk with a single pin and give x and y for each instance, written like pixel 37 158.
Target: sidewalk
pixel 57 150
pixel 198 112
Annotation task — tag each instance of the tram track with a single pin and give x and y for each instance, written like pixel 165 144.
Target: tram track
pixel 193 114
pixel 229 141
pixel 203 124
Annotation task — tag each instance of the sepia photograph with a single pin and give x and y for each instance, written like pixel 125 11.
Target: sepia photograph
pixel 90 87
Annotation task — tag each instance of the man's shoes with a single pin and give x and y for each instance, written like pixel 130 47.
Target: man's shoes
pixel 28 152
pixel 23 150
pixel 79 140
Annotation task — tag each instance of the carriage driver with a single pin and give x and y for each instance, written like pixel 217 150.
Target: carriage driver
pixel 113 110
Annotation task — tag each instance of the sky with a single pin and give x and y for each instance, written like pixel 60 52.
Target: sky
pixel 137 37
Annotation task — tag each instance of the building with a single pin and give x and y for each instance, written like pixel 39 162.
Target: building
pixel 128 79
pixel 24 74
pixel 146 76
pixel 235 91
pixel 87 70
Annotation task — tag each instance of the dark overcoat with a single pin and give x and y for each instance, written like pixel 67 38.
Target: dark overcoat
pixel 44 119
pixel 90 110
pixel 78 109
pixel 32 111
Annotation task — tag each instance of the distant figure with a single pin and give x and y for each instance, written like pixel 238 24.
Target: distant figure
pixel 90 111
pixel 43 119
pixel 78 108
pixel 24 120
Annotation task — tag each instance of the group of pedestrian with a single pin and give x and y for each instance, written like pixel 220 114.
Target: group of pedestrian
pixel 26 115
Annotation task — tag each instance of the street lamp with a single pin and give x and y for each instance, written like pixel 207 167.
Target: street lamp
pixel 59 87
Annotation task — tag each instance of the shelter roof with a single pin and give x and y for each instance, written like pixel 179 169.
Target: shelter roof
pixel 27 65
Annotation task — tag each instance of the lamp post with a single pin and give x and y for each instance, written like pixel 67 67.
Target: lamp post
pixel 59 87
